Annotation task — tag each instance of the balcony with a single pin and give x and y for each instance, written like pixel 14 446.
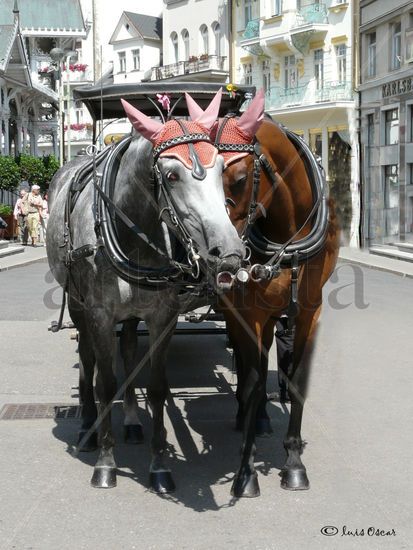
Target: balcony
pixel 252 30
pixel 198 68
pixel 311 14
pixel 308 96
pixel 311 24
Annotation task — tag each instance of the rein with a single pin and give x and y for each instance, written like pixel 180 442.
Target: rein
pixel 105 208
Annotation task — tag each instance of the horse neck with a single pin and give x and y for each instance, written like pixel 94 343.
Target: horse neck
pixel 289 204
pixel 133 194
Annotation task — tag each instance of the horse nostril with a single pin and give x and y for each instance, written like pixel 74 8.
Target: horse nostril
pixel 214 251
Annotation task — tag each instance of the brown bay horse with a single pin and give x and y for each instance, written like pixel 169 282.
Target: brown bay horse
pixel 281 207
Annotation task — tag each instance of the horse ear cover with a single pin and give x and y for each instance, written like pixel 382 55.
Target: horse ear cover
pixel 147 127
pixel 208 117
pixel 250 121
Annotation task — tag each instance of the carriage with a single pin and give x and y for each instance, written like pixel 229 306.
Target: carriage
pixel 251 232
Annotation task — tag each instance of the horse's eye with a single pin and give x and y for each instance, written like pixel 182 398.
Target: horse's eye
pixel 240 182
pixel 172 176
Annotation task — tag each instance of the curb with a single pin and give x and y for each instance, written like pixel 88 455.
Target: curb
pixel 385 269
pixel 23 264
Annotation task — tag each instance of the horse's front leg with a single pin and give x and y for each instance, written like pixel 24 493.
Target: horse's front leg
pixel 104 475
pixel 248 345
pixel 128 344
pixel 160 333
pixel 87 438
pixel 294 475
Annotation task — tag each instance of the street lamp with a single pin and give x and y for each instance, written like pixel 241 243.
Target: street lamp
pixel 58 55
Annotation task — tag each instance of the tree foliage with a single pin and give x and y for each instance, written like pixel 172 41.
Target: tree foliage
pixel 9 173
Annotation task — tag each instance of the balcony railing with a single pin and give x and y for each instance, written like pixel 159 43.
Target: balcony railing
pixel 203 63
pixel 282 98
pixel 311 14
pixel 252 29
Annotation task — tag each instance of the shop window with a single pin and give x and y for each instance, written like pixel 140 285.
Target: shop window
pixel 410 122
pixel 391 122
pixel 391 199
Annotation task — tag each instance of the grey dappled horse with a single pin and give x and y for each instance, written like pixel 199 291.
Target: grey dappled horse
pixel 99 298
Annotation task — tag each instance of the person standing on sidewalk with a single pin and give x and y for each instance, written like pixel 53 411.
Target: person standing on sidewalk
pixel 35 206
pixel 20 215
pixel 44 217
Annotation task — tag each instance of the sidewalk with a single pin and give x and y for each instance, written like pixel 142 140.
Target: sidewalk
pixel 347 255
pixel 373 261
pixel 29 256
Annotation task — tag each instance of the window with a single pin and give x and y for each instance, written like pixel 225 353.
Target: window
pixel 174 42
pixel 391 123
pixel 247 69
pixel 204 40
pixel 319 68
pixel 290 72
pixel 370 130
pixel 316 144
pixel 136 58
pixel 277 7
pixel 409 45
pixel 247 11
pixel 410 123
pixel 391 199
pixel 396 45
pixel 216 29
pixel 185 40
pixel 341 54
pixel 371 54
pixel 266 75
pixel 122 62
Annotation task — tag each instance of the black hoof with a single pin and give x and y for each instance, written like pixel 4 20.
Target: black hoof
pixel 133 434
pixel 294 480
pixel 104 478
pixel 246 486
pixel 263 427
pixel 162 482
pixel 86 442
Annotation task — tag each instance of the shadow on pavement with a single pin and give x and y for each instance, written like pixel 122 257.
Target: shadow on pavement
pixel 204 445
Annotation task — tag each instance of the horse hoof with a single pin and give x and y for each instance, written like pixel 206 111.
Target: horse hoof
pixel 87 443
pixel 162 482
pixel 263 427
pixel 246 486
pixel 104 477
pixel 133 434
pixel 294 480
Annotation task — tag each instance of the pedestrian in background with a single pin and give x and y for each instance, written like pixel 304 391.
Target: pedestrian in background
pixel 44 217
pixel 35 206
pixel 20 215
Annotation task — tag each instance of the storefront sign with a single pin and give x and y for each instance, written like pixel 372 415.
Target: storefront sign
pixel 402 86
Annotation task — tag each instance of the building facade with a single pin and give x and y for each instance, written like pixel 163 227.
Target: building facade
pixel 302 53
pixel 29 30
pixel 386 122
pixel 195 41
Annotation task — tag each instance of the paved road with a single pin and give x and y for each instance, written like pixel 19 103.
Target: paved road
pixel 357 424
